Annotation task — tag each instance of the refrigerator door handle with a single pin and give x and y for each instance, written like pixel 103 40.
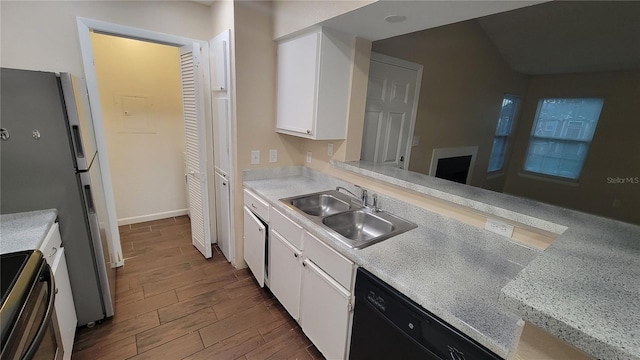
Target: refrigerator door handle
pixel 77 141
pixel 89 196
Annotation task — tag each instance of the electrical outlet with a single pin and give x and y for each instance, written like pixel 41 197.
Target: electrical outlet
pixel 273 155
pixel 330 149
pixel 255 157
pixel 499 227
pixel 309 156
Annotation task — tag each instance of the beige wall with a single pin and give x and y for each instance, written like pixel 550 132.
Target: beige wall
pixel 614 152
pixel 145 146
pixel 255 88
pixel 43 35
pixel 291 16
pixel 463 84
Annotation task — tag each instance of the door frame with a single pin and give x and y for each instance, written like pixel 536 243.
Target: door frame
pixel 390 60
pixel 85 27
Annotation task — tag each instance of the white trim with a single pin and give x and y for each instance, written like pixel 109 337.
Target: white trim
pixel 85 26
pixel 443 153
pixel 151 217
pixel 414 111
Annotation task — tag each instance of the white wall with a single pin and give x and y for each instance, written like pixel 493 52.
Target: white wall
pixel 292 16
pixel 145 144
pixel 43 35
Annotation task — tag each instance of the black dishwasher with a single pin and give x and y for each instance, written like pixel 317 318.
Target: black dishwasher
pixel 388 325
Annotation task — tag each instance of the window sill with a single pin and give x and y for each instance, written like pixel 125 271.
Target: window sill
pixel 549 178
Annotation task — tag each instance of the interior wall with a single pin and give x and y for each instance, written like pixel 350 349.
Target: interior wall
pixel 463 83
pixel 609 184
pixel 43 35
pixel 255 61
pixel 140 97
pixel 292 16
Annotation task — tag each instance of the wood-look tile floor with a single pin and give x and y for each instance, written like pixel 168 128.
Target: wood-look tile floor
pixel 171 303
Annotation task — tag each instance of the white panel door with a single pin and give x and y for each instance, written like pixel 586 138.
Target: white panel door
pixel 192 106
pixel 391 96
pixel 254 245
pixel 223 214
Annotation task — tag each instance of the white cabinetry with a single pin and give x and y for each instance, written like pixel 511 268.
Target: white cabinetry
pixel 285 272
pixel 255 234
pixel 254 245
pixel 65 310
pixel 310 279
pixel 325 311
pixel 313 282
pixel 314 79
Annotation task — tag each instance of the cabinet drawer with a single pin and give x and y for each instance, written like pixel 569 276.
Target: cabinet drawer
pixel 289 230
pixel 51 244
pixel 256 205
pixel 330 261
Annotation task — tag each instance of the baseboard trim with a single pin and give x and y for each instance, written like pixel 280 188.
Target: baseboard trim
pixel 151 217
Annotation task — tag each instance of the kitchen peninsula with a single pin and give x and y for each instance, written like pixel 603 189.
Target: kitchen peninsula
pixel 484 284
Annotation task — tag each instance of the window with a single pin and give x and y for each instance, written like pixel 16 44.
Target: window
pixel 561 135
pixel 503 130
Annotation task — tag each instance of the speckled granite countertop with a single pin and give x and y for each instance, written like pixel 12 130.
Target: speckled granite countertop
pixel 26 230
pixel 584 288
pixel 452 269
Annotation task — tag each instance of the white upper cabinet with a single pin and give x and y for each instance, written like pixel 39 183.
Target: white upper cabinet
pixel 314 79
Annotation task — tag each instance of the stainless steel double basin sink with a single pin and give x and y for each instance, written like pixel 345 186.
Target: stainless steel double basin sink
pixel 346 220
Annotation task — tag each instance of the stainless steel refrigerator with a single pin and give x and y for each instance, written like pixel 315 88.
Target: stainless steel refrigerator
pixel 48 159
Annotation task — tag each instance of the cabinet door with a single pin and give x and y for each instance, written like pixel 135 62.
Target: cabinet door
pixel 324 311
pixel 65 309
pixel 223 216
pixel 297 84
pixel 285 271
pixel 254 245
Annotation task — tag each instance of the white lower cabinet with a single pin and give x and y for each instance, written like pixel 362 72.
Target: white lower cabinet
pixel 285 271
pixel 324 311
pixel 254 245
pixel 313 282
pixel 65 309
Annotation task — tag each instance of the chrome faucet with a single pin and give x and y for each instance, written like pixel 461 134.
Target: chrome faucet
pixel 374 205
pixel 363 196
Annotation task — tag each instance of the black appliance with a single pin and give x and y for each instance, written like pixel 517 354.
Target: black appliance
pixel 28 327
pixel 388 325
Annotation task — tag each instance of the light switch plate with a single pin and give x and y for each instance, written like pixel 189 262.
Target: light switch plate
pixel 309 156
pixel 255 157
pixel 273 155
pixel 499 227
pixel 330 149
pixel 416 140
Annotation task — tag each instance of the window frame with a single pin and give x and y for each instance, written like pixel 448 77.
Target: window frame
pixel 518 103
pixel 532 136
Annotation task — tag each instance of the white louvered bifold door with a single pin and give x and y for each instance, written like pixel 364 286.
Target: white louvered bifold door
pixel 192 106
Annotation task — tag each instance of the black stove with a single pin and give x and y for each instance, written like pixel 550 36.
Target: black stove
pixel 10 267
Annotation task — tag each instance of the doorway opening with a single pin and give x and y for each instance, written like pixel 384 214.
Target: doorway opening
pixel 141 102
pixel 134 118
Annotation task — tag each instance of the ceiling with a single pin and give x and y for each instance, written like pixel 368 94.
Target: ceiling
pixel 546 38
pixel 368 21
pixel 568 36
